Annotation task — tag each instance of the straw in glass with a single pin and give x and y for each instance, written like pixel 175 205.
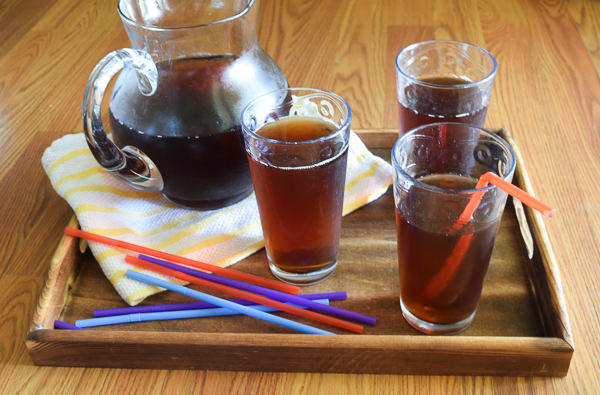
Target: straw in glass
pixel 450 267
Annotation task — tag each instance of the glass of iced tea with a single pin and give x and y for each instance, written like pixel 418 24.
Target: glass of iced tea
pixel 297 147
pixel 443 81
pixel 443 259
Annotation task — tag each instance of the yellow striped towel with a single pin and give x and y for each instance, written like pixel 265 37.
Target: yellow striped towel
pixel 105 205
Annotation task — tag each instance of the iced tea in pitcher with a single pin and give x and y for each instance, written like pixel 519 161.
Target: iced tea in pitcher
pixel 189 129
pixel 176 104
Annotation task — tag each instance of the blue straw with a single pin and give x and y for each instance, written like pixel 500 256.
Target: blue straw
pixel 227 304
pixel 170 315
pixel 155 308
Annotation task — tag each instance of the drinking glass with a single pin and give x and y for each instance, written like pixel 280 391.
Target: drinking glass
pixel 443 258
pixel 443 81
pixel 297 146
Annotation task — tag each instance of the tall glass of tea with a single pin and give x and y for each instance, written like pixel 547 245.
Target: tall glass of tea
pixel 175 107
pixel 297 146
pixel 443 81
pixel 442 256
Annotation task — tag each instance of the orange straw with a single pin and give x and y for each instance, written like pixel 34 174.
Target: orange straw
pixel 185 261
pixel 491 178
pixel 448 270
pixel 246 295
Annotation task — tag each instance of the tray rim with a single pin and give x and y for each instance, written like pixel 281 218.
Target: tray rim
pixel 554 351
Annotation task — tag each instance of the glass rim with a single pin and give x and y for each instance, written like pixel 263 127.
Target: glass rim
pixel 147 26
pixel 469 84
pixel 397 168
pixel 339 129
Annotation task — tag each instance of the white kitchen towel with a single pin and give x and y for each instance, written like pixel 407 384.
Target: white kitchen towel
pixel 108 206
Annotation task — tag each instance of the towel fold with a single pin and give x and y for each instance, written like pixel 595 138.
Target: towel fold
pixel 106 205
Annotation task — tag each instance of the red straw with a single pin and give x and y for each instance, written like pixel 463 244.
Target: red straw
pixel 448 270
pixel 246 295
pixel 185 261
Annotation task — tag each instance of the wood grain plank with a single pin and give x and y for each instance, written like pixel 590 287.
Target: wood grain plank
pixel 586 15
pixel 19 294
pixel 458 20
pixel 360 57
pixel 275 352
pixel 43 51
pixel 17 18
pixel 298 24
pixel 413 13
pixel 39 206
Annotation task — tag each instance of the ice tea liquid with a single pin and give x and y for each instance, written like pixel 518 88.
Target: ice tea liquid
pixel 189 128
pixel 300 195
pixel 440 99
pixel 441 270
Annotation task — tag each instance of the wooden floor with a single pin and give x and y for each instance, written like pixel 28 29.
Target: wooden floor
pixel 546 93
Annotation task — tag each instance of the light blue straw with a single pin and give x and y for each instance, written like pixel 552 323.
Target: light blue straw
pixel 171 315
pixel 227 304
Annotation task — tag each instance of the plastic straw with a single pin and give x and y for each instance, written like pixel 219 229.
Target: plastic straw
pixel 185 261
pixel 520 194
pixel 472 204
pixel 442 279
pixel 65 325
pixel 169 315
pixel 226 304
pixel 279 296
pixel 155 308
pixel 250 296
pixel 514 191
pixel 448 270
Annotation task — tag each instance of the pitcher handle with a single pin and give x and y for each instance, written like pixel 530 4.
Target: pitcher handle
pixel 128 163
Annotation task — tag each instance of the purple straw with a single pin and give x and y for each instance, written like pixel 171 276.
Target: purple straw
pixel 270 293
pixel 65 325
pixel 201 305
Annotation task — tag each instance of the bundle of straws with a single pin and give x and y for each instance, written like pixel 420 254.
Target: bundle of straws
pixel 257 295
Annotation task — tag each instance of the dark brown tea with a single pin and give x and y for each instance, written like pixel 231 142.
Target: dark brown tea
pixel 189 128
pixel 300 205
pixel 442 270
pixel 441 102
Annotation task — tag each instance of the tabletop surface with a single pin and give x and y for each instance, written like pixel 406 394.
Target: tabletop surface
pixel 546 93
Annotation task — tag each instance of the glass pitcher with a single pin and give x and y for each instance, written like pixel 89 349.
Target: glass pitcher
pixel 175 107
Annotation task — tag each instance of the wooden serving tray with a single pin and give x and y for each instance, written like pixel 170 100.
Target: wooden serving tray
pixel 521 327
